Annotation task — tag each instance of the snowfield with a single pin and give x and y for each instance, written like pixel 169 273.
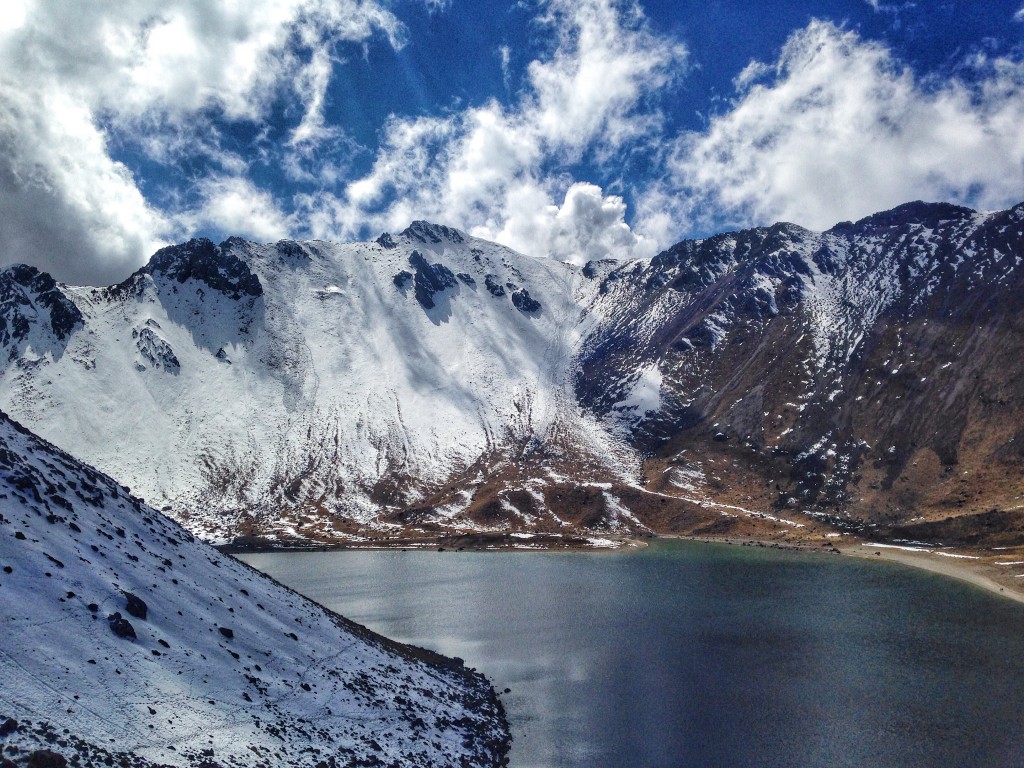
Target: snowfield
pixel 125 638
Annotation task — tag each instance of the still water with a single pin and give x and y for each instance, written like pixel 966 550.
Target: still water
pixel 692 654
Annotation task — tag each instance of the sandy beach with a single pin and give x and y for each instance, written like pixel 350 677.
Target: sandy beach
pixel 1001 572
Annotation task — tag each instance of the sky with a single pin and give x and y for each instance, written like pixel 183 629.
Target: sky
pixel 569 129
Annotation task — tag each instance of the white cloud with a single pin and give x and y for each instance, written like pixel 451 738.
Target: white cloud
pixel 893 8
pixel 835 129
pixel 1019 15
pixel 70 73
pixel 234 204
pixel 487 168
pixel 63 201
pixel 840 130
pixel 587 225
pixel 505 55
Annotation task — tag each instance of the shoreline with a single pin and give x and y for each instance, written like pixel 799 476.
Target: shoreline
pixel 978 572
pixel 975 567
pixel 972 566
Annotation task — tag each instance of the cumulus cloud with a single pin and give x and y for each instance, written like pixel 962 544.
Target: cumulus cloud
pixel 489 168
pixel 234 204
pixel 837 129
pixel 63 200
pixel 74 74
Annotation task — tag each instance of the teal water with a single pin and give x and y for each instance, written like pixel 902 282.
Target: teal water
pixel 692 654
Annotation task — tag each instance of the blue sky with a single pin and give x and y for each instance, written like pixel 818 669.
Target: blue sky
pixel 572 130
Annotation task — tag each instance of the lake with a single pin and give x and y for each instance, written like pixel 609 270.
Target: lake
pixel 689 654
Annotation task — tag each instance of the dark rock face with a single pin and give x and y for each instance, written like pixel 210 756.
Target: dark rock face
pixel 44 758
pixel 121 627
pixel 522 301
pixel 401 280
pixel 494 287
pixel 136 606
pixel 429 279
pixel 425 232
pixel 467 278
pixel 201 260
pixel 9 726
pixel 386 241
pixel 155 350
pixel 25 295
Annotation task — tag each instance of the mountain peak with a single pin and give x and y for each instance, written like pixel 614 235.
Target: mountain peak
pixel 426 232
pixel 199 259
pixel 917 212
pixel 24 291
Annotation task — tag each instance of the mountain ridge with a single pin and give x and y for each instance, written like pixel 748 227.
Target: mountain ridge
pixel 429 382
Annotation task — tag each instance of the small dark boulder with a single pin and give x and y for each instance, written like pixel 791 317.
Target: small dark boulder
pixel 44 758
pixel 120 626
pixel 136 606
pixel 524 302
pixel 226 632
pixel 9 726
pixel 495 287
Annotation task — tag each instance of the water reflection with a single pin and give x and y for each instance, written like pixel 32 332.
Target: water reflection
pixel 695 655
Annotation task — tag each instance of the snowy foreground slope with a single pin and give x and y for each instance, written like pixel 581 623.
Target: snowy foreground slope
pixel 125 639
pixel 430 383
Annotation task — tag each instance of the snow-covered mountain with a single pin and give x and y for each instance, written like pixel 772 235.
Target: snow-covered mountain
pixel 300 389
pixel 430 381
pixel 128 642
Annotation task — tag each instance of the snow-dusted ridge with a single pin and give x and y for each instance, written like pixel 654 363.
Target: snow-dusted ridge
pixel 262 387
pixel 429 382
pixel 125 638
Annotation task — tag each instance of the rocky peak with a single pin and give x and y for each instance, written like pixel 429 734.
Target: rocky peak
pixel 386 241
pixel 425 232
pixel 25 294
pixel 916 213
pixel 216 266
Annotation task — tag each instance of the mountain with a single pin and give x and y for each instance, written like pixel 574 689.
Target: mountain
pixel 869 377
pixel 128 642
pixel 771 381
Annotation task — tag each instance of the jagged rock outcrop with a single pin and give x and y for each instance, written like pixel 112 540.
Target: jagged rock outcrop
pixel 34 310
